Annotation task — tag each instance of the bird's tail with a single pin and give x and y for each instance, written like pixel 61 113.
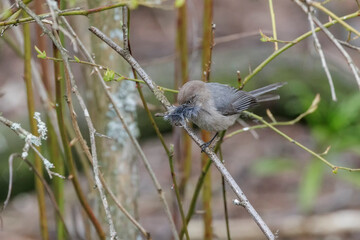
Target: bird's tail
pixel 259 93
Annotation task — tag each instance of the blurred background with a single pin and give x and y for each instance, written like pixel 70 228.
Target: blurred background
pixel 297 195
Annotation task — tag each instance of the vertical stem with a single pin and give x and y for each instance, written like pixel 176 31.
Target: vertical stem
pixel 59 82
pixel 272 14
pixel 224 198
pixel 207 44
pixel 33 126
pixel 199 184
pixel 182 57
pixel 58 183
pixel 177 192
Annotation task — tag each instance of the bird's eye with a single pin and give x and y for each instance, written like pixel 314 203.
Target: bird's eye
pixel 191 100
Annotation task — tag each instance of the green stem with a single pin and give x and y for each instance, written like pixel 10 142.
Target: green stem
pixel 287 46
pixel 333 167
pixel 272 14
pixel 224 198
pixel 168 151
pixel 199 184
pixel 59 163
pixel 184 147
pixel 331 14
pixel 101 67
pixel 59 82
pixel 12 10
pixel 33 125
pixel 64 13
pixel 177 192
pixel 170 157
pixel 58 183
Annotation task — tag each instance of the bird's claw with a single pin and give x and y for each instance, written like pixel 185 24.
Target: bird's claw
pixel 204 145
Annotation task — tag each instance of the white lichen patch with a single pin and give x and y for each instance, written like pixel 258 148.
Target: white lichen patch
pixel 33 140
pixel 48 164
pixel 15 126
pixel 42 129
pixel 125 100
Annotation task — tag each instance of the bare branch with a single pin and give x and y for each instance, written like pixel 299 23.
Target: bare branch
pixel 120 206
pixel 349 60
pixel 321 53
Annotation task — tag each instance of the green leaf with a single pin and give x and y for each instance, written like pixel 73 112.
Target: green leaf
pixel 263 38
pixel 179 3
pixel 109 75
pixel 42 54
pixel 76 59
pixel 310 184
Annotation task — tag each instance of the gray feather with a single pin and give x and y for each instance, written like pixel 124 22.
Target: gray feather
pixel 230 101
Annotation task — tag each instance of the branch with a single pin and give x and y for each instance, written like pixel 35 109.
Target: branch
pixel 289 45
pixel 333 167
pixel 160 97
pixel 321 54
pixel 86 150
pixel 75 181
pixel 273 23
pixel 332 15
pixel 349 60
pixel 30 141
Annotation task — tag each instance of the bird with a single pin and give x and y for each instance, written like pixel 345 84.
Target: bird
pixel 215 107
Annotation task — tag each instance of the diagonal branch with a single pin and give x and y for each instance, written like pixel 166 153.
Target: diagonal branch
pixel 321 53
pixel 322 27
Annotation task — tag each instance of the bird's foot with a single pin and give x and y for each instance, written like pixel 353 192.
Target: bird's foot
pixel 204 145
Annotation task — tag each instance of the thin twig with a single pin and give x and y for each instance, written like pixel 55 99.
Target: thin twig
pixel 321 26
pixel 333 167
pixel 273 23
pixel 11 159
pixel 237 36
pixel 199 184
pixel 29 141
pixel 289 45
pixel 51 195
pixel 332 15
pixel 71 87
pixel 321 54
pixel 160 97
pixel 112 195
pixel 346 44
pixel 226 213
pixel 65 56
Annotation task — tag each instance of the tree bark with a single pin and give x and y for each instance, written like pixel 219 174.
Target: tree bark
pixel 116 157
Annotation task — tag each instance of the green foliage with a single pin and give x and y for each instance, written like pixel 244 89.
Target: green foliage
pixel 339 123
pixel 76 59
pixel 41 54
pixel 109 75
pixel 310 185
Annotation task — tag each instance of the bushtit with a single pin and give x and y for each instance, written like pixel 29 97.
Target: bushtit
pixel 214 106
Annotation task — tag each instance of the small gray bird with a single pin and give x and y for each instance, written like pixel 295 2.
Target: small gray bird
pixel 214 106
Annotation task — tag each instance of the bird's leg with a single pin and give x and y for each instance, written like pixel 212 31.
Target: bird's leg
pixel 207 144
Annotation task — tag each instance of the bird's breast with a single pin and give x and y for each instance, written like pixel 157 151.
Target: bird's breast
pixel 211 120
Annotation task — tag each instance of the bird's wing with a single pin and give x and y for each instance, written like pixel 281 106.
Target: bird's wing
pixel 228 100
